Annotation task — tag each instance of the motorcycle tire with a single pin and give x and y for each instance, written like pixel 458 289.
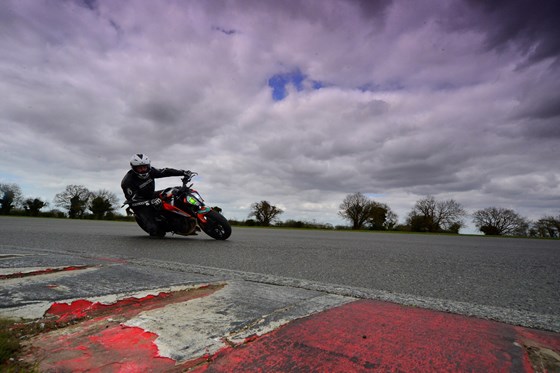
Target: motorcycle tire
pixel 216 226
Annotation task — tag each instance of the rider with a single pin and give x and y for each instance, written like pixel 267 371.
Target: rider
pixel 139 189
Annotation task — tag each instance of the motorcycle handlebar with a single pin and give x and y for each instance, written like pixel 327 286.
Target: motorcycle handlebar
pixel 188 177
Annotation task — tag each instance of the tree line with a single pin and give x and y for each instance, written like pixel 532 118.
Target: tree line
pixel 427 215
pixel 78 201
pixel 447 216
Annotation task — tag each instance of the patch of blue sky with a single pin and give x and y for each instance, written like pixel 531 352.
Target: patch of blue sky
pixel 317 84
pixel 5 177
pixel 279 82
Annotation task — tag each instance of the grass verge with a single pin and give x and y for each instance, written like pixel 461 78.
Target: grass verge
pixel 12 333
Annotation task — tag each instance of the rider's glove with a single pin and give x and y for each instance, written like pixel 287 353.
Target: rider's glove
pixel 156 203
pixel 187 173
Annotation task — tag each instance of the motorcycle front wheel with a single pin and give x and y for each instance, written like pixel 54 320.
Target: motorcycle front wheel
pixel 216 226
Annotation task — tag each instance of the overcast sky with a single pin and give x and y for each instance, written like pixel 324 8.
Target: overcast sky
pixel 299 103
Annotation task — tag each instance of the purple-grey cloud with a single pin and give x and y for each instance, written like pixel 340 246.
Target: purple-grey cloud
pixel 398 99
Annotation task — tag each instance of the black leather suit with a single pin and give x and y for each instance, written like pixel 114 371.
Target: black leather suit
pixel 139 192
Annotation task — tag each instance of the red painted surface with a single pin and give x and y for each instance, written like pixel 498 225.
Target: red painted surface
pixel 114 348
pixel 42 272
pixel 356 337
pixel 98 342
pixel 126 307
pixel 376 336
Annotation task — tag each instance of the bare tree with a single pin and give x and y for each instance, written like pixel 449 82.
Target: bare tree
pixel 102 203
pixel 499 221
pixel 264 212
pixel 75 199
pixel 360 211
pixel 10 197
pixel 430 215
pixel 355 208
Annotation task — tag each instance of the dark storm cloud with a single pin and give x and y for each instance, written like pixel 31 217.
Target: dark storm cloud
pixel 374 8
pixel 90 4
pixel 543 130
pixel 541 104
pixel 532 27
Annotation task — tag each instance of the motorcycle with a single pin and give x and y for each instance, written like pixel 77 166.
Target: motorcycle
pixel 183 212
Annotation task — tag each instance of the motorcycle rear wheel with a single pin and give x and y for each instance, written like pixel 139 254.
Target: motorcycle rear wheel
pixel 216 226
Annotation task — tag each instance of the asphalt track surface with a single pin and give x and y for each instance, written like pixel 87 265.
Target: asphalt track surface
pixel 511 280
pixel 111 299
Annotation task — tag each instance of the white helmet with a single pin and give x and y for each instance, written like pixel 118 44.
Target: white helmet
pixel 140 164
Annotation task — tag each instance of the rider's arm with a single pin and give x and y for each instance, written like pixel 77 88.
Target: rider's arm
pixel 133 191
pixel 127 189
pixel 166 172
